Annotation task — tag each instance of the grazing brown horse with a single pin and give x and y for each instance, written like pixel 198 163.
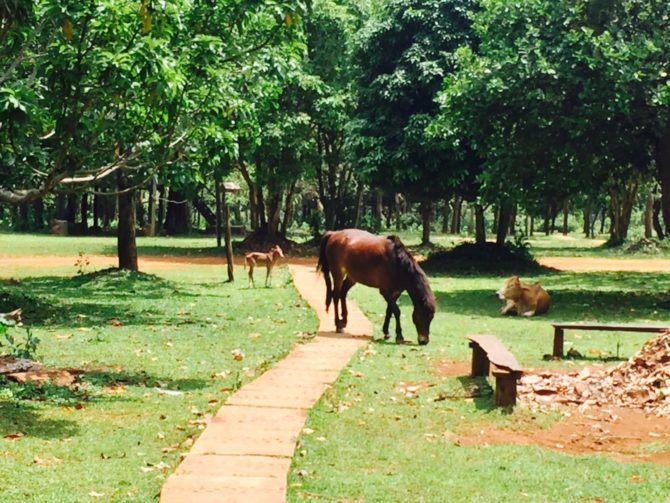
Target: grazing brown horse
pixel 353 256
pixel 267 259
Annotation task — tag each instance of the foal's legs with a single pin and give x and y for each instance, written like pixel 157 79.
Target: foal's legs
pixel 251 264
pixel 267 273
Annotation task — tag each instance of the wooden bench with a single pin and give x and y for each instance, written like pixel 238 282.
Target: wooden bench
pixel 487 350
pixel 559 330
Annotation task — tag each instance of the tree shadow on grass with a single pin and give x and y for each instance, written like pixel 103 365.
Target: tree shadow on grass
pixel 99 297
pixel 21 417
pixel 572 305
pixel 104 377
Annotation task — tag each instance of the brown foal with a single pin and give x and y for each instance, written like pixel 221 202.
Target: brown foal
pixel 268 259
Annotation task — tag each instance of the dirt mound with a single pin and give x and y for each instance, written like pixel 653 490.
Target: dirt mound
pixel 487 257
pixel 649 246
pixel 643 383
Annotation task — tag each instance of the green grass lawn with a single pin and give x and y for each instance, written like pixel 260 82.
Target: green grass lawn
pixel 148 380
pixel 371 443
pixel 117 435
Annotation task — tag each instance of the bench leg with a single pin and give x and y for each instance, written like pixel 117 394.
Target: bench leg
pixel 558 342
pixel 480 362
pixel 505 388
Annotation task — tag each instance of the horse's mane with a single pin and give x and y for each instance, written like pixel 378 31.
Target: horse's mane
pixel 407 267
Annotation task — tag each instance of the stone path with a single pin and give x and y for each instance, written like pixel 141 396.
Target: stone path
pixel 245 453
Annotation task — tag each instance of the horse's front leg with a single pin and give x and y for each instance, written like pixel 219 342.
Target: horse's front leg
pixel 387 320
pixel 396 313
pixel 337 293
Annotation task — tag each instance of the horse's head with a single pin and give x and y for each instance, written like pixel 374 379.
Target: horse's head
pixel 422 316
pixel 276 250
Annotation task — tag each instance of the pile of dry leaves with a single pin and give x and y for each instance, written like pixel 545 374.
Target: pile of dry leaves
pixel 643 382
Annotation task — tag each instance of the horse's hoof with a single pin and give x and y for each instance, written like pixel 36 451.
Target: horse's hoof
pixel 387 337
pixel 339 330
pixel 399 340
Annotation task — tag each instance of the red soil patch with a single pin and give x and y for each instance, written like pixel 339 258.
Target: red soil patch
pixel 615 431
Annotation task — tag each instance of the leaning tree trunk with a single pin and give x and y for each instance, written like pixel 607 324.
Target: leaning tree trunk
pixel 126 244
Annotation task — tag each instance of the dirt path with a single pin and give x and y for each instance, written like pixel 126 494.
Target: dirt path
pixel 245 453
pixel 153 263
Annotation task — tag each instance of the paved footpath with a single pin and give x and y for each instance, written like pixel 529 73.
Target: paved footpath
pixel 245 453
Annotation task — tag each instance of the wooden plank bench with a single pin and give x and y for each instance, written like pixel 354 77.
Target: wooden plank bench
pixel 487 350
pixel 559 331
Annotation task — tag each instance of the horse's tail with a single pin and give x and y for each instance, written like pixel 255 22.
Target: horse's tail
pixel 323 267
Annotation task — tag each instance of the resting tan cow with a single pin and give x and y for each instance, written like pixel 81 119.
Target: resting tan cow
pixel 522 299
pixel 267 259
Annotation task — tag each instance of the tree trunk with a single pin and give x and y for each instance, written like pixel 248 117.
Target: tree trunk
pixel 360 193
pixel 587 221
pixel 60 207
pixel 162 207
pixel 656 219
pixel 379 209
pixel 456 215
pixel 426 214
pixel 566 212
pixel 446 211
pixel 663 166
pixel 219 213
pixel 274 212
pixel 504 216
pixel 288 209
pixel 38 210
pixel 649 215
pixel 151 209
pixel 480 225
pixel 621 206
pixel 96 211
pixel 23 224
pixel 177 218
pixel 84 213
pixel 139 212
pixel 204 210
pixel 228 237
pixel 126 244
pixel 71 210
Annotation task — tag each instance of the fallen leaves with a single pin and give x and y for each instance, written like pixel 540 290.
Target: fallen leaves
pixel 238 354
pixel 643 382
pixel 14 436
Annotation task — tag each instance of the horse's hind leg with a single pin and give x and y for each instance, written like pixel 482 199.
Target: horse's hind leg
pixel 387 318
pixel 346 286
pixel 337 292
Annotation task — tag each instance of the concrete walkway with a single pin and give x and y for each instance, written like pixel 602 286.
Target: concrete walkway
pixel 245 453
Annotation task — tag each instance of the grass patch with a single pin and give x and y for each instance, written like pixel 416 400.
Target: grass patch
pixel 373 443
pixel 149 349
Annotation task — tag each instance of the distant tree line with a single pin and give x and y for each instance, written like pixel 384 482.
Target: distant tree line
pixel 483 116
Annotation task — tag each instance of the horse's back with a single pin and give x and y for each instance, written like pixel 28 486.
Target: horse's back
pixel 362 256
